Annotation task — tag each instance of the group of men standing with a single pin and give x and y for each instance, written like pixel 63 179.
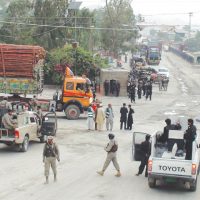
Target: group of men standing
pixel 111 87
pixel 142 88
pixel 126 118
pixel 97 115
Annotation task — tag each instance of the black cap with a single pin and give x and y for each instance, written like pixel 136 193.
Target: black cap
pixel 147 137
pixel 190 121
pixel 168 121
pixel 111 136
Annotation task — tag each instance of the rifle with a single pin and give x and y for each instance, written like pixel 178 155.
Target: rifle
pixel 54 153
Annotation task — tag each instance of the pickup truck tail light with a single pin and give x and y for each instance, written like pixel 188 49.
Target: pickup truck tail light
pixel 150 165
pixel 194 169
pixel 16 133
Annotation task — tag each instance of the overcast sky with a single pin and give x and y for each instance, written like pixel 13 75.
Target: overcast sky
pixel 153 7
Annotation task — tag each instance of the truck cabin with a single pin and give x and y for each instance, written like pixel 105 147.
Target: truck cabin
pixel 76 85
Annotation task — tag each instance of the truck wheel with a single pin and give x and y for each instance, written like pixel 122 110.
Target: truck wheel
pixel 25 144
pixel 43 139
pixel 193 186
pixel 72 112
pixel 152 182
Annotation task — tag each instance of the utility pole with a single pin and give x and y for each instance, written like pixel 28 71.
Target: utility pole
pixel 190 22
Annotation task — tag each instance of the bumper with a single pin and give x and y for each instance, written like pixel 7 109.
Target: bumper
pixel 165 177
pixel 10 141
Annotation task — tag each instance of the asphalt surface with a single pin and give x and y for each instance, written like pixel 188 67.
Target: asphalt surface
pixel 82 152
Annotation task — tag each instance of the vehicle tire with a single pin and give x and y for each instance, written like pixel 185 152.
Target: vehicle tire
pixel 193 186
pixel 72 112
pixel 25 144
pixel 43 139
pixel 152 182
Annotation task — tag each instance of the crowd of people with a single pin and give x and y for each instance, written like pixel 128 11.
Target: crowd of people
pixel 97 117
pixel 111 88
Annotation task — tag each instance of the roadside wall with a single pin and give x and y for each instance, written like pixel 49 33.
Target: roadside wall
pixel 120 75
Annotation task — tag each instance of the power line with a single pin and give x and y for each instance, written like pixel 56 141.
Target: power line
pixel 69 27
pixel 159 14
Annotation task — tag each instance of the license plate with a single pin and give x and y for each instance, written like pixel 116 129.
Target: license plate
pixel 170 180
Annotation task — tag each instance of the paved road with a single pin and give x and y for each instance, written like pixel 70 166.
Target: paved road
pixel 82 152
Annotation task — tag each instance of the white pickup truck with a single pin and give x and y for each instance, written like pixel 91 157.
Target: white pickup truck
pixel 169 167
pixel 29 125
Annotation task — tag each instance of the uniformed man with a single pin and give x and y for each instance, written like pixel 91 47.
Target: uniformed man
pixel 189 137
pixel 146 151
pixel 34 103
pixel 5 103
pixel 50 154
pixel 39 112
pixel 8 121
pixel 4 106
pixel 111 149
pixel 123 117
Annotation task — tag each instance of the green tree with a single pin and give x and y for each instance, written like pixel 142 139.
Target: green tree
pixel 80 61
pixel 17 12
pixel 50 12
pixel 118 14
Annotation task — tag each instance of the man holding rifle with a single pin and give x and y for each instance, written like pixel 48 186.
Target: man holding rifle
pixel 50 154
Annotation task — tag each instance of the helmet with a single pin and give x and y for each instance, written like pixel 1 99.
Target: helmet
pixel 147 137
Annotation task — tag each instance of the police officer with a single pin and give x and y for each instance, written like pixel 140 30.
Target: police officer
pixel 123 118
pixel 8 121
pixel 189 137
pixel 146 151
pixel 111 149
pixel 50 154
pixel 106 87
pixel 148 91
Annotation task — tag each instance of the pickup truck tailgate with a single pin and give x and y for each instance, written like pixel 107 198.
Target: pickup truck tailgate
pixel 171 167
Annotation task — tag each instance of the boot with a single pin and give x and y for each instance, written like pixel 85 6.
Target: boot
pixel 118 174
pixel 55 178
pixel 47 180
pixel 100 173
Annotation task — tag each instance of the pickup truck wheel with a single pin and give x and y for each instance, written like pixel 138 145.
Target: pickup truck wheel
pixel 193 186
pixel 43 139
pixel 25 144
pixel 152 183
pixel 72 112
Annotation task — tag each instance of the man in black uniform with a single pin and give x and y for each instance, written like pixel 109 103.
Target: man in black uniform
pixel 164 137
pixel 132 93
pixel 148 91
pixel 130 118
pixel 123 118
pixel 145 152
pixel 189 137
pixel 106 87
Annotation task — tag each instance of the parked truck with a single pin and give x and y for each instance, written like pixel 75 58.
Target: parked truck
pixel 170 166
pixel 153 53
pixel 21 69
pixel 76 95
pixel 21 73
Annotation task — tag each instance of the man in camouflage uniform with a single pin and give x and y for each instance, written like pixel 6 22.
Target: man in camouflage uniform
pixel 50 154
pixel 111 149
pixel 8 121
